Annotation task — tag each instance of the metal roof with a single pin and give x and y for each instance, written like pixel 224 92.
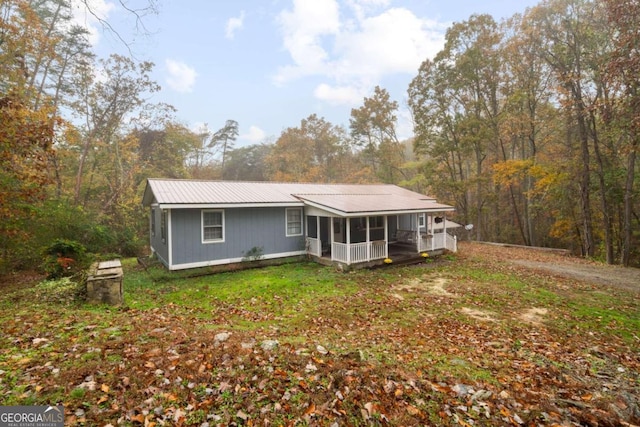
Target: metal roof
pixel 372 203
pixel 341 198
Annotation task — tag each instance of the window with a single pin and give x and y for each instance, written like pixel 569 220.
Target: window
pixel 421 220
pixel 153 222
pixel 212 226
pixel 163 225
pixel 294 222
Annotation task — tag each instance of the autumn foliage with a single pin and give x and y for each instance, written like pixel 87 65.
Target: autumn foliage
pixel 528 126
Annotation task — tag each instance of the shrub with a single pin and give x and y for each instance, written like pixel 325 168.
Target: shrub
pixel 64 258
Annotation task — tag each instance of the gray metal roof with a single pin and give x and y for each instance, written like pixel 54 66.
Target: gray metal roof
pixel 346 198
pixel 369 203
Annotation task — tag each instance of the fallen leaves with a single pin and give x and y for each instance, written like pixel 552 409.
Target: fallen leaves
pixel 367 358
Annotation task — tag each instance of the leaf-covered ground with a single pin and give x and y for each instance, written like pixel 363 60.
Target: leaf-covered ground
pixel 488 337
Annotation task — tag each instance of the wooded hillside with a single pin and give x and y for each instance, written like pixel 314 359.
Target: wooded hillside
pixel 529 126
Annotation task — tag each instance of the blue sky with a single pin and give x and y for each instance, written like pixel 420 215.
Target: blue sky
pixel 269 64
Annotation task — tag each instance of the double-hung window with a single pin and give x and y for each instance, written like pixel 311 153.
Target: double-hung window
pixel 294 221
pixel 153 222
pixel 163 225
pixel 212 226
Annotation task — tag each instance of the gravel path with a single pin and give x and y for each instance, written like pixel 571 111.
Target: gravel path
pixel 558 263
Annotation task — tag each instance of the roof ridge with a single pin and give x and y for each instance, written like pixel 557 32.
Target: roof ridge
pixel 224 181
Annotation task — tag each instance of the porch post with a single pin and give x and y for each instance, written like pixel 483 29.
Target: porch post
pixel 433 233
pixel 368 243
pixel 444 229
pixel 318 234
pixel 417 235
pixel 348 231
pixel 386 237
pixel 331 237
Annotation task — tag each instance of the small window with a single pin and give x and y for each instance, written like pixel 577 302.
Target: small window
pixel 294 222
pixel 421 220
pixel 212 226
pixel 153 222
pixel 163 226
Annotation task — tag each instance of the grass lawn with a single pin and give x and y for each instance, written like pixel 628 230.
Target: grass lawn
pixel 458 340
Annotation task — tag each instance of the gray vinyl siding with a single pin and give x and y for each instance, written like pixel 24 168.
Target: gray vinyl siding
pixel 244 229
pixel 159 247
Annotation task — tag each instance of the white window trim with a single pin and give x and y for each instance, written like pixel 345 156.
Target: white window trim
pixel 286 222
pixel 422 220
pixel 206 242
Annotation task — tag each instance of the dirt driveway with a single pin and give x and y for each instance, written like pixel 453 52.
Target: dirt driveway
pixel 559 264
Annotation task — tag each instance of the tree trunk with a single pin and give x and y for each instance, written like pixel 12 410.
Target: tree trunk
pixel 606 208
pixel 628 205
pixel 585 175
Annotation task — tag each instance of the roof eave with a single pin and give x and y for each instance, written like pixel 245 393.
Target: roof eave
pixel 356 214
pixel 229 205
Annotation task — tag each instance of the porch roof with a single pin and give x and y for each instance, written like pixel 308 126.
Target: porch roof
pixel 372 204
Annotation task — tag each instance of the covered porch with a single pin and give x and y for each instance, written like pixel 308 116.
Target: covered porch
pixel 366 239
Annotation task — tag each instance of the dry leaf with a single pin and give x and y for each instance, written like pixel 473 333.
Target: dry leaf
pixel 138 418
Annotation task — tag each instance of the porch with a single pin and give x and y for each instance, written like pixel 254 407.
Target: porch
pixel 366 240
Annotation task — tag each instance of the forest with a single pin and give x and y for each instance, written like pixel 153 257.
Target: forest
pixel 529 126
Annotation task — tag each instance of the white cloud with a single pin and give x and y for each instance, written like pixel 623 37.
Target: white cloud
pixel 88 14
pixel 363 7
pixel 255 135
pixel 233 25
pixel 303 29
pixel 337 95
pixel 395 41
pixel 181 77
pixel 404 126
pixel 355 47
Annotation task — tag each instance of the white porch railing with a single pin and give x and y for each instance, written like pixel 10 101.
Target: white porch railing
pixel 339 252
pixel 359 252
pixel 432 242
pixel 369 251
pixel 451 242
pixel 314 246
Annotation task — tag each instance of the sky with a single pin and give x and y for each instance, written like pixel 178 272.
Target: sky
pixel 268 64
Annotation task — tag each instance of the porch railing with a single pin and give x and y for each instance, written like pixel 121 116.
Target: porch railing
pixel 451 243
pixel 432 242
pixel 314 246
pixel 359 252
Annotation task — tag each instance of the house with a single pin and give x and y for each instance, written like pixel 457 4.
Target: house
pixel 197 223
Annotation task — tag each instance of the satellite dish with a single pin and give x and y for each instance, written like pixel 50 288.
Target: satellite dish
pixel 468 227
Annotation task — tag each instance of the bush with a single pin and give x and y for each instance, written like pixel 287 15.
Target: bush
pixel 65 258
